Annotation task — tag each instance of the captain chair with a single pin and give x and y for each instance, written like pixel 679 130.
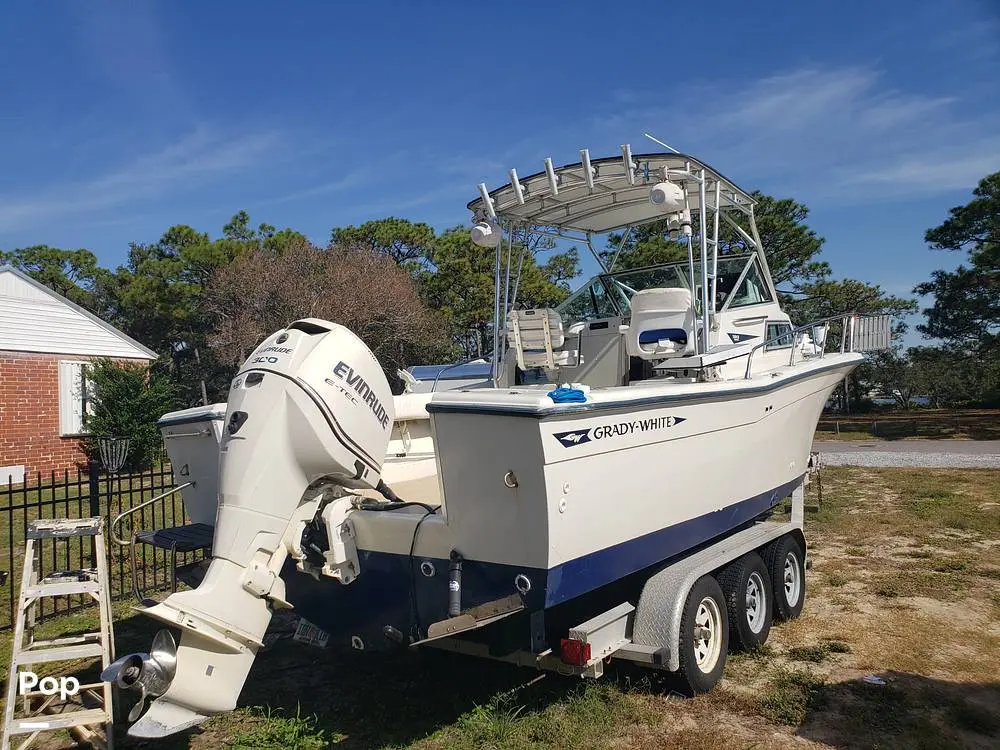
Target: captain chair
pixel 662 324
pixel 537 338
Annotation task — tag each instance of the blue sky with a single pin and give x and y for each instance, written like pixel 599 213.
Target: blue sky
pixel 120 119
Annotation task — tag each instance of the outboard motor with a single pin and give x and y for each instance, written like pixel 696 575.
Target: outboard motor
pixel 311 404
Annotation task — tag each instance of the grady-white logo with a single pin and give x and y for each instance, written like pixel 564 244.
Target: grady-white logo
pixel 578 437
pixel 617 429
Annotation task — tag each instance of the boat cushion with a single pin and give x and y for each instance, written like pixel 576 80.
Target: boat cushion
pixel 409 406
pixel 672 334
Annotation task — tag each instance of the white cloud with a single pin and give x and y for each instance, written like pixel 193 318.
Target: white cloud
pixel 353 179
pixel 199 157
pixel 841 134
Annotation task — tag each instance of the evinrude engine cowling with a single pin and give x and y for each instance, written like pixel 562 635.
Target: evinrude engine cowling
pixel 310 404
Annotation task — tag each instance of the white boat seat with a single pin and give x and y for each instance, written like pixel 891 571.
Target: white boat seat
pixel 537 338
pixel 662 324
pixel 409 406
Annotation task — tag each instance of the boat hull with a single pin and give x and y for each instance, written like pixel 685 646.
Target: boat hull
pixel 646 481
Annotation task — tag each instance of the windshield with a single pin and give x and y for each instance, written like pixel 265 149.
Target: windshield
pixel 609 295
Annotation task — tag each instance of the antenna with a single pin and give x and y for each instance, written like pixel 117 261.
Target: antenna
pixel 657 140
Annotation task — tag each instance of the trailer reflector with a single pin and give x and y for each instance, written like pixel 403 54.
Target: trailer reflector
pixel 574 652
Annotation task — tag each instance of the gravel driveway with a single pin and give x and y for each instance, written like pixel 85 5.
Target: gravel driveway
pixel 931 454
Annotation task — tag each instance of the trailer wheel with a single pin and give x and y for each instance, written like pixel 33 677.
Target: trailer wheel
pixel 704 636
pixel 784 562
pixel 747 587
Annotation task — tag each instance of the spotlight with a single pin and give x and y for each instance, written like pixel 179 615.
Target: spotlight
pixel 486 234
pixel 667 196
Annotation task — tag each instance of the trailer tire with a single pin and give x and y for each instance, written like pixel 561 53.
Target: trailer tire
pixel 784 560
pixel 749 599
pixel 703 654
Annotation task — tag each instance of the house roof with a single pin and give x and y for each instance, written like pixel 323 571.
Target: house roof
pixel 34 318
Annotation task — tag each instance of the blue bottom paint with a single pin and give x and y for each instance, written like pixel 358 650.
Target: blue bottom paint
pixel 393 592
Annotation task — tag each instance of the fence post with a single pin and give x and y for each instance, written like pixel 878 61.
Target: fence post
pixel 93 486
pixel 94 490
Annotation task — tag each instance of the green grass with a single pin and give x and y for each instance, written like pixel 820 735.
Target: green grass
pixel 837 647
pixel 589 711
pixel 815 653
pixel 836 579
pixel 928 583
pixel 270 729
pixel 818 652
pixel 789 695
pixel 764 652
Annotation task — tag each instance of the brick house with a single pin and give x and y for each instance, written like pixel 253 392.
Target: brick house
pixel 45 342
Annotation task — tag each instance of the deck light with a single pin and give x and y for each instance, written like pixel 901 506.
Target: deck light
pixel 629 165
pixel 516 184
pixel 553 181
pixel 588 171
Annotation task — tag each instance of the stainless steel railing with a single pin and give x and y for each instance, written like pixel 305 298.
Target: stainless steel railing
pixel 858 333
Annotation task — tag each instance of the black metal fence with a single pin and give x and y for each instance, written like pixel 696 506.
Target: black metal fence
pixel 82 494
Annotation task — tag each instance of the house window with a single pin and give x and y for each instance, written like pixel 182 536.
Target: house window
pixel 74 405
pixel 774 335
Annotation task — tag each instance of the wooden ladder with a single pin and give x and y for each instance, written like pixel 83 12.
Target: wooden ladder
pixel 44 711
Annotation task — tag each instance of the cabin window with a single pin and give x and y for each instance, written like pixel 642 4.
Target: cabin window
pixel 753 290
pixel 780 336
pixel 74 404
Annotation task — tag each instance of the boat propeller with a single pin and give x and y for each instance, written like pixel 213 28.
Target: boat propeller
pixel 149 674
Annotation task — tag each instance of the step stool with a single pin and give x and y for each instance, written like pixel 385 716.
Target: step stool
pixel 27 650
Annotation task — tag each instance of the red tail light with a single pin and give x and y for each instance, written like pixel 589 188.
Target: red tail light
pixel 573 652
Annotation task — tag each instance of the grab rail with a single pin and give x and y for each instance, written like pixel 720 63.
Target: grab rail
pixel 196 433
pixel 875 336
pixel 118 519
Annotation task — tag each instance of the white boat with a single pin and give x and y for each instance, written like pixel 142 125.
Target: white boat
pixel 508 511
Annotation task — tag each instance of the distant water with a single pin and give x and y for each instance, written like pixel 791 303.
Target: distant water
pixel 915 401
